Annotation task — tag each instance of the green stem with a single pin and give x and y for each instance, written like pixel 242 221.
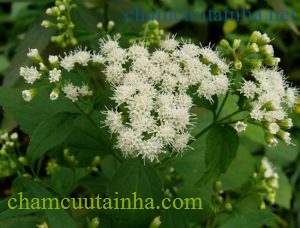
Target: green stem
pixel 211 223
pixel 222 106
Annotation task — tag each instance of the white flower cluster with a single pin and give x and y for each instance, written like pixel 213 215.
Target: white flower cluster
pixel 53 73
pixel 269 95
pixel 150 90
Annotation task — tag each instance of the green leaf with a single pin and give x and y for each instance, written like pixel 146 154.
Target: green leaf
pixel 41 108
pixel 88 138
pixel 282 154
pixel 240 170
pixel 36 37
pixel 250 220
pixel 48 134
pixel 173 218
pixel 221 148
pixel 135 177
pixel 65 180
pixel 284 192
pixel 6 212
pixel 56 218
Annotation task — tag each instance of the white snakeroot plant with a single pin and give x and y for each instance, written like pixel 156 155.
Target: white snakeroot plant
pixel 152 89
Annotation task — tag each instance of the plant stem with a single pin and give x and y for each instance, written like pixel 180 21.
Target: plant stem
pixel 222 106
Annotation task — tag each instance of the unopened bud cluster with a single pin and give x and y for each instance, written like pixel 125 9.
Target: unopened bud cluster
pixel 62 13
pixel 256 53
pixel 150 34
pixel 220 202
pixel 266 182
pixel 8 147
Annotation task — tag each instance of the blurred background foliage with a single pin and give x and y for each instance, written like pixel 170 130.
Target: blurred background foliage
pixel 20 29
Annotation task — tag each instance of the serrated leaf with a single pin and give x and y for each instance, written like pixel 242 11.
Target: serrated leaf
pixel 221 148
pixel 135 177
pixel 250 220
pixel 48 134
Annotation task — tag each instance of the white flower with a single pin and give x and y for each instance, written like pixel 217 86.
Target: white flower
pixel 54 95
pixel 82 57
pixel 265 38
pixel 30 75
pixel 114 73
pixel 170 44
pixel 181 142
pixel 106 46
pixel 268 169
pixel 84 91
pixel 53 59
pixel 28 94
pixel 291 97
pixel 68 62
pixel 151 149
pixel 166 133
pixel 240 126
pixel 273 128
pixel 129 141
pixel 54 75
pixel 256 114
pixel 98 58
pixel 248 89
pixel 33 53
pixel 213 57
pixel 71 91
pixel 137 51
pixel 114 121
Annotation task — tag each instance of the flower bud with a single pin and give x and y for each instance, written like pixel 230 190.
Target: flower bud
pixel 95 222
pixel 267 50
pixel 228 206
pixel 271 140
pixel 217 186
pixel 224 43
pixel 284 136
pixel 14 136
pixel 255 63
pixel 236 44
pixel 46 24
pixel 110 25
pixel 53 59
pixel 29 94
pixel 23 160
pixel 156 222
pixel 54 94
pixel 99 25
pixel 271 61
pixel 252 48
pixel 238 64
pixel 286 123
pixel 255 36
